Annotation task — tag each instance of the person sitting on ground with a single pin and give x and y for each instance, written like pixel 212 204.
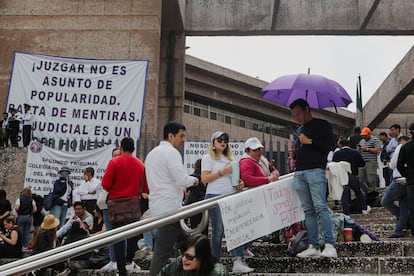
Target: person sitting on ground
pixel 98 223
pixel 10 240
pixel 76 233
pixel 196 260
pixel 80 213
pixel 45 238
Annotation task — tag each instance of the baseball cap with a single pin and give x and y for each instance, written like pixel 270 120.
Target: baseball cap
pixel 218 134
pixel 253 143
pixel 365 131
pixel 64 169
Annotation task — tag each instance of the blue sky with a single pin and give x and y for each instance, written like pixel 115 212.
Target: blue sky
pixel 341 58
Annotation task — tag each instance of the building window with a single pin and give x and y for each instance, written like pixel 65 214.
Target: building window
pixel 213 115
pixel 197 111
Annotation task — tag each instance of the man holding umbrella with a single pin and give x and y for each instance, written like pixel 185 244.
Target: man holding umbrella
pixel 314 140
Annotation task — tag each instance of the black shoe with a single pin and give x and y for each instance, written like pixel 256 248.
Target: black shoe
pixel 395 236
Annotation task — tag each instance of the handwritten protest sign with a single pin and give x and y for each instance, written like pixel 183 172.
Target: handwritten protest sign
pixel 254 213
pixel 283 204
pixel 244 217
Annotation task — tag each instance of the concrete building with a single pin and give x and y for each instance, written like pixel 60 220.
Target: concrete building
pixel 156 30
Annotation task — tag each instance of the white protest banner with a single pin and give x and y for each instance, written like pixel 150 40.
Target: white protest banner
pixel 196 150
pixel 283 204
pixel 244 217
pixel 43 164
pixel 260 211
pixel 79 104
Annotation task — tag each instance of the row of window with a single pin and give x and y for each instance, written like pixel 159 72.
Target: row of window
pixel 222 115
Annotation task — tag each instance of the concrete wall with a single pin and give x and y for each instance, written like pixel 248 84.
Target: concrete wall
pixel 108 29
pixel 300 17
pixel 12 171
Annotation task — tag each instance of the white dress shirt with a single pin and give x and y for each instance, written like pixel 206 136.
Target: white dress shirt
pixel 166 177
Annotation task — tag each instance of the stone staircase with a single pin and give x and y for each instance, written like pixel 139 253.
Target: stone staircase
pixel 386 257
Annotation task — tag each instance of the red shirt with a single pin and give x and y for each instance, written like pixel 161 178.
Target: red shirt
pixel 251 173
pixel 124 176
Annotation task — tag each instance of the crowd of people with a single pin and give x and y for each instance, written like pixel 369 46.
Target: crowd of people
pixel 162 184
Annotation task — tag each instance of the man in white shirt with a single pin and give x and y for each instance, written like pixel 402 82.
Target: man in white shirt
pixel 88 191
pixel 167 179
pixel 27 125
pixel 397 191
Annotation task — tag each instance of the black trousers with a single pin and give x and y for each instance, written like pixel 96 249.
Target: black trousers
pixel 165 239
pixel 121 259
pixel 27 135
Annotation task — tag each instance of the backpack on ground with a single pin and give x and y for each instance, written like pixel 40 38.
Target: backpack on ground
pixel 298 243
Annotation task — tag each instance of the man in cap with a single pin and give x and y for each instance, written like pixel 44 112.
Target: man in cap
pixel 14 126
pixel 62 189
pixel 27 125
pixel 369 147
pixel 255 169
pixel 405 166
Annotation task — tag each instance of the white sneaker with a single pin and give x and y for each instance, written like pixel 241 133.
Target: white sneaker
pixel 110 266
pixel 367 211
pixel 248 254
pixel 311 252
pixel 329 251
pixel 132 267
pixel 240 267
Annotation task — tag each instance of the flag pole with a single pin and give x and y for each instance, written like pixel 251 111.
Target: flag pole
pixel 359 109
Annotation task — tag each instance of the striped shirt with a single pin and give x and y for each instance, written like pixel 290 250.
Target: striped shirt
pixel 372 143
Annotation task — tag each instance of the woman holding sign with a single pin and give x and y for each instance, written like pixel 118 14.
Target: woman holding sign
pixel 216 170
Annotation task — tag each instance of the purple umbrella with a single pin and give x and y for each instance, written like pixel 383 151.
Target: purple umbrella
pixel 318 91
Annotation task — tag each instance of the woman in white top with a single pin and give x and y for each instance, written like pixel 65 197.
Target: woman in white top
pixel 216 171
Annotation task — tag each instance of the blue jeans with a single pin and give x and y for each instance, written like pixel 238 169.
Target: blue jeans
pixel 60 212
pixel 393 193
pixel 25 223
pixel 108 227
pixel 217 233
pixel 311 188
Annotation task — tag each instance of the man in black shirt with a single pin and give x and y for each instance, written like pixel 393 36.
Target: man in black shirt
pixel 405 166
pixel 314 140
pixel 355 159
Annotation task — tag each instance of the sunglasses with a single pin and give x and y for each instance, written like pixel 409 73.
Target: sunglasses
pixel 220 140
pixel 189 257
pixel 258 149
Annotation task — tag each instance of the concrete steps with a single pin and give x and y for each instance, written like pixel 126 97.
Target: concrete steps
pixel 387 257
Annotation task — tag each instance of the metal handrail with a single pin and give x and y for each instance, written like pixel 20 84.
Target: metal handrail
pixel 83 246
pixel 62 253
